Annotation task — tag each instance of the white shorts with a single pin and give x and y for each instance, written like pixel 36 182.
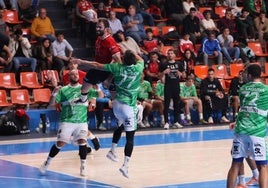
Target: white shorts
pixel 71 132
pixel 249 146
pixel 125 114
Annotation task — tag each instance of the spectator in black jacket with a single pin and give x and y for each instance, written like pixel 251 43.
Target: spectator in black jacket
pixel 191 25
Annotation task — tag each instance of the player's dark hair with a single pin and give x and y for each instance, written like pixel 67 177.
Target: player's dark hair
pixel 129 58
pixel 105 22
pixel 254 70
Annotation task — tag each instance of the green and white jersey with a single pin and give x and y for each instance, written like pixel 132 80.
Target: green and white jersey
pixel 187 91
pixel 71 112
pixel 159 89
pixel 127 81
pixel 145 89
pixel 252 116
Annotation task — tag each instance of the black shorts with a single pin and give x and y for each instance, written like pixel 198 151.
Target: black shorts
pixel 94 76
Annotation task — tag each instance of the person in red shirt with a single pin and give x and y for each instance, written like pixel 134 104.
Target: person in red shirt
pixel 106 51
pixel 71 66
pixel 151 69
pixel 151 43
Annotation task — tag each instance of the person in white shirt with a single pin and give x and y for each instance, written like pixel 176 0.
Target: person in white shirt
pixel 227 46
pixel 115 23
pixel 60 58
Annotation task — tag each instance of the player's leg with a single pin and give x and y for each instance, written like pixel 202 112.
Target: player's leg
pixel 254 180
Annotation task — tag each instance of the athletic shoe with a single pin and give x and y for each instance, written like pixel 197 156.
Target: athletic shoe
pixel 110 155
pixel 202 121
pixel 95 141
pixel 177 125
pixel 102 128
pixel 241 186
pixel 82 171
pixel 147 124
pixel 253 181
pixel 141 125
pixel 124 171
pixel 210 120
pixel 43 168
pixel 184 122
pixel 224 120
pixel 189 122
pixel 89 150
pixel 166 126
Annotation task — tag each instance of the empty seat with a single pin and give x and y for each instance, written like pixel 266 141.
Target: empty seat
pixel 236 68
pixel 41 96
pixel 201 71
pixel 220 71
pixel 3 99
pixel 29 80
pixel 8 81
pixel 20 97
pixel 257 49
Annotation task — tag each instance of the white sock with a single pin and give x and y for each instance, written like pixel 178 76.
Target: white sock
pixel 182 116
pixel 201 116
pixel 48 160
pixel 114 145
pixel 241 179
pixel 83 162
pixel 255 173
pixel 188 116
pixel 126 161
pixel 91 136
pixel 162 118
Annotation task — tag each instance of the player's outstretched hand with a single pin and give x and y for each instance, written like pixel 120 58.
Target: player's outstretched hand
pixel 75 61
pixel 232 125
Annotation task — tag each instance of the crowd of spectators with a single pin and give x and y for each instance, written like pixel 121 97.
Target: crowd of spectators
pixel 202 36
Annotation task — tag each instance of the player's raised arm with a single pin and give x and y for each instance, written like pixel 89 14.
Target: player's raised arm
pixel 91 64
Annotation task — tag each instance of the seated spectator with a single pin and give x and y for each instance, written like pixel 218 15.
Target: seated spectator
pixel 115 23
pixel 213 97
pixel 188 61
pixel 60 58
pixel 211 47
pixel 227 47
pixel 261 25
pixel 21 51
pixel 151 68
pixel 4 29
pixel 141 8
pixel 187 5
pixel 227 21
pixel 12 3
pixel 232 4
pixel 159 97
pixel 235 85
pixel 144 95
pixel 150 43
pixel 208 24
pixel 88 25
pixel 128 43
pixel 255 6
pixel 191 25
pixel 28 10
pixel 133 25
pixel 186 44
pixel 245 26
pixel 190 99
pixel 5 53
pixel 43 54
pixel 71 66
pixel 104 102
pixel 42 26
pixel 174 11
